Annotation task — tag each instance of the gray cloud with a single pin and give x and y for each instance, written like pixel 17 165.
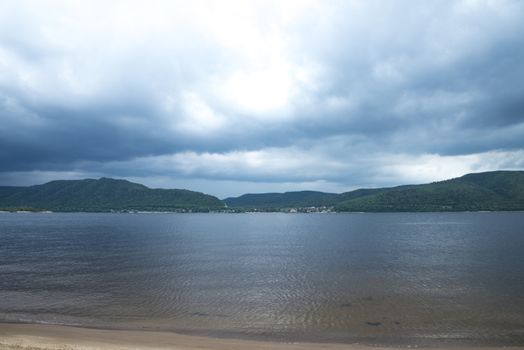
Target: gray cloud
pixel 329 94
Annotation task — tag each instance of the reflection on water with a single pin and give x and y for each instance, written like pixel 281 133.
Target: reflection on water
pixel 374 278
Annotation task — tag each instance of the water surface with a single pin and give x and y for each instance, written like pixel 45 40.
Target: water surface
pixel 410 278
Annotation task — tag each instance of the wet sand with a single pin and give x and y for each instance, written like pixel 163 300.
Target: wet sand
pixel 52 337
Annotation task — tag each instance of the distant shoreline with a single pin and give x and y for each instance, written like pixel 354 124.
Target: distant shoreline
pixel 55 337
pixel 254 212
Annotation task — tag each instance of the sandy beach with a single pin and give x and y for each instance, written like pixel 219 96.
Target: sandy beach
pixel 52 337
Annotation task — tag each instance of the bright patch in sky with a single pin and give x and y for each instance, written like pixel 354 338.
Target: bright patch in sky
pixel 259 92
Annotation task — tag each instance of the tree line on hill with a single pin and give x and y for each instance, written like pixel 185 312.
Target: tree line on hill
pixel 490 191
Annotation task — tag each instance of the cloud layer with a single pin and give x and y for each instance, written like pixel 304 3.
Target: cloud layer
pixel 236 96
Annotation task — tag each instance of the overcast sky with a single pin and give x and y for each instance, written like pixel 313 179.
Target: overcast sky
pixel 229 97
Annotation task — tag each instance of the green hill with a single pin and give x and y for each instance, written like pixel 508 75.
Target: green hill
pixel 104 195
pixel 497 190
pixel 282 200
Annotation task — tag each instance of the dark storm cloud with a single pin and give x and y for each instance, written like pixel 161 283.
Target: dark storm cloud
pixel 262 91
pixel 459 102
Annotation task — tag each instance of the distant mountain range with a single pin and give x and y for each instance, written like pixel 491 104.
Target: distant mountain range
pixel 497 190
pixel 104 195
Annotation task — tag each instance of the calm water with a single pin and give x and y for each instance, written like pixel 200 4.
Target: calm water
pixel 371 278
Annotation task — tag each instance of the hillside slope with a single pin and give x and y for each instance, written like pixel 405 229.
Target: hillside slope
pixel 103 195
pixel 282 200
pixel 497 190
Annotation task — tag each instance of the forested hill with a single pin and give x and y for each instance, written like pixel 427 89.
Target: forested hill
pixel 282 200
pixel 497 190
pixel 104 195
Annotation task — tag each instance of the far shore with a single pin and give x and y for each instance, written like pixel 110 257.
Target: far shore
pixel 53 337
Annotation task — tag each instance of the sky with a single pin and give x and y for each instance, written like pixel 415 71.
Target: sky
pixel 232 97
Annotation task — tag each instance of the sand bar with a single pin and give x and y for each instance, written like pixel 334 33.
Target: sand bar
pixel 34 337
